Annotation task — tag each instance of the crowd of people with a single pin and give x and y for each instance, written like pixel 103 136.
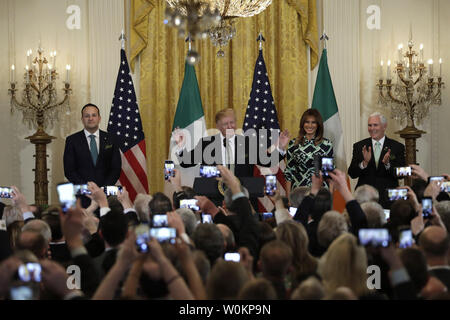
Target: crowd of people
pixel 315 254
pixel 155 247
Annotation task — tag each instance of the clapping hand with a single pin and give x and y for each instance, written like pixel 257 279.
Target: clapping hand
pixel 283 140
pixel 179 137
pixel 367 155
pixel 386 157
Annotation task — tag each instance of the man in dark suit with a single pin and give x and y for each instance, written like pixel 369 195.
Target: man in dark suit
pixel 377 168
pixel 92 154
pixel 239 153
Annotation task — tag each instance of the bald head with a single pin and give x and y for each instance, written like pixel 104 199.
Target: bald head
pixel 434 241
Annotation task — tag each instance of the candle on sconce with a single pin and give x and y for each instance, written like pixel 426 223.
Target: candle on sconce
pixel 67 73
pixel 388 74
pixel 421 53
pixel 400 52
pixel 54 58
pixel 440 67
pixel 27 68
pixel 29 53
pixel 381 69
pixel 430 68
pixel 13 68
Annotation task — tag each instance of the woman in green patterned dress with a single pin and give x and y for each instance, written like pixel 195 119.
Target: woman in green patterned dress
pixel 302 150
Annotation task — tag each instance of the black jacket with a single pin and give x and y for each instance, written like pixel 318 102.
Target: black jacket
pixel 378 177
pixel 78 165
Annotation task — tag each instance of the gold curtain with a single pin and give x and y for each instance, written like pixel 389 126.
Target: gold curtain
pixel 287 25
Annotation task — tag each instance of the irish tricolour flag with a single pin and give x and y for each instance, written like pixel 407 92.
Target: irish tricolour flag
pixel 324 101
pixel 190 118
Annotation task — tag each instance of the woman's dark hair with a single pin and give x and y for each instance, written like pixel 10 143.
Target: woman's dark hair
pixel 323 202
pixel 319 132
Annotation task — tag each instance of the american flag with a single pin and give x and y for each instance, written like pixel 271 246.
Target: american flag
pixel 125 123
pixel 261 114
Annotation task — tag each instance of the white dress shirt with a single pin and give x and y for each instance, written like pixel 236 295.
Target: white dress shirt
pixel 97 139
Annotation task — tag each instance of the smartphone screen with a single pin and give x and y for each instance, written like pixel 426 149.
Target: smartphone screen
pixel 112 190
pixel 66 194
pixel 267 215
pixel 397 194
pixel 209 172
pixel 159 221
pixel 327 166
pixel 81 189
pixel 403 171
pixel 5 192
pixel 30 272
pixel 374 237
pixel 427 207
pixel 169 168
pixel 23 292
pixel 445 186
pixel 292 211
pixel 232 256
pixel 190 204
pixel 387 214
pixel 164 234
pixel 142 237
pixel 207 218
pixel 406 239
pixel 271 184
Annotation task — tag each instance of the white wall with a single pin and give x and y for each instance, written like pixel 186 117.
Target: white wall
pixel 354 54
pixel 93 51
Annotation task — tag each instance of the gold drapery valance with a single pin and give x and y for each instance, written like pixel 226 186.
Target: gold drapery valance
pixel 288 27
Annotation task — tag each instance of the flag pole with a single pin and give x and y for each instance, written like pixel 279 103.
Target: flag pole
pixel 324 38
pixel 122 38
pixel 260 39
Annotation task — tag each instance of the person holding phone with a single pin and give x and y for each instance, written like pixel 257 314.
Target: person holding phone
pixel 92 154
pixel 305 149
pixel 375 159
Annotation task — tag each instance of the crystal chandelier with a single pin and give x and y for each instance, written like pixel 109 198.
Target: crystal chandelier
pixel 200 18
pixel 410 97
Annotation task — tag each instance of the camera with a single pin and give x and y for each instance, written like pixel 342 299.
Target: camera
pixel 159 221
pixel 66 195
pixel 112 190
pixel 271 184
pixel 327 166
pixel 403 171
pixel 209 172
pixel 267 215
pixel 405 239
pixel 142 237
pixel 190 204
pixel 29 272
pixel 81 189
pixel 169 169
pixel 374 237
pixel 427 207
pixel 232 256
pixel 207 218
pixel 6 192
pixel 164 234
pixel 397 194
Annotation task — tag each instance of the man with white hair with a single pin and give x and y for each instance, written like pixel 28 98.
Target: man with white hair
pixel 375 159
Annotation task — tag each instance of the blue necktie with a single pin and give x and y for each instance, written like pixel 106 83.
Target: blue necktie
pixel 94 152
